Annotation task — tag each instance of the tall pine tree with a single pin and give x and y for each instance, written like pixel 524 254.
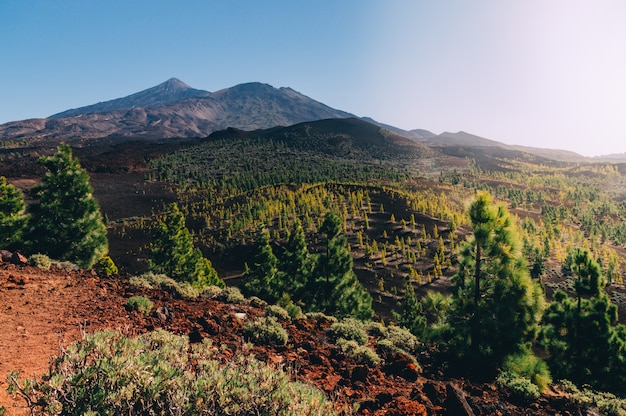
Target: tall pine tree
pixel 334 287
pixel 496 307
pixel 66 223
pixel 264 279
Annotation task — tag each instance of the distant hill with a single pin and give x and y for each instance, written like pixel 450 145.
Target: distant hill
pixel 466 140
pixel 350 138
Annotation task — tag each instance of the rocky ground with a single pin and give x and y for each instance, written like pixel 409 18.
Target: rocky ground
pixel 42 311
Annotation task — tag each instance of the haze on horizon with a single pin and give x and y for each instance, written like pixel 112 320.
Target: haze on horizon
pixel 548 74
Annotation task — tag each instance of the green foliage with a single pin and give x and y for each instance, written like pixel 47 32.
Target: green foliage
pixel 349 329
pixel 334 288
pixel 12 215
pixel 330 286
pixel 231 295
pixel 292 309
pixel 65 222
pixel 521 388
pixel 496 307
pixel 106 267
pixel 361 354
pixel 265 331
pixel 173 253
pixel 264 279
pixel 139 303
pixel 277 312
pixel 40 260
pixel 160 373
pixel 150 280
pixel 527 365
pixel 582 336
pixel 607 403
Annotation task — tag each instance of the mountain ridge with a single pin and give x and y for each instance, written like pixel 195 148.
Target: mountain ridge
pixel 174 109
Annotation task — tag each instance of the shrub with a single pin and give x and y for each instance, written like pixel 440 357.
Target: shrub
pixel 277 312
pixel 361 354
pixel 292 309
pixel 321 316
pixel 400 338
pixel 151 280
pixel 40 260
pixel 349 329
pixel 265 331
pixel 607 403
pixel 106 267
pixel 520 388
pixel 160 373
pixel 257 302
pixel 139 303
pixel 231 295
pixel 526 365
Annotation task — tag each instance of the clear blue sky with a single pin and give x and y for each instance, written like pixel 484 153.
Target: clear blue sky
pixel 545 73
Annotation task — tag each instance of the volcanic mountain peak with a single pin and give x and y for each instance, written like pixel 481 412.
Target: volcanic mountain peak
pixel 168 92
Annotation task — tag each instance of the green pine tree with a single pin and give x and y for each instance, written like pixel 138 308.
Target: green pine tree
pixel 297 264
pixel 173 252
pixel 581 334
pixel 496 307
pixel 65 222
pixel 12 215
pixel 264 279
pixel 334 287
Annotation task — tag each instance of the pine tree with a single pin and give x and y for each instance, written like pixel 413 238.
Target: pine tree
pixel 173 252
pixel 297 264
pixel 334 286
pixel 264 279
pixel 66 223
pixel 12 215
pixel 581 334
pixel 496 306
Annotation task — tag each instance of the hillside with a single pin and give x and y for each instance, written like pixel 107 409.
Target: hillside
pixel 45 310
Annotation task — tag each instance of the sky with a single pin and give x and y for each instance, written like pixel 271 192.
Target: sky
pixel 541 73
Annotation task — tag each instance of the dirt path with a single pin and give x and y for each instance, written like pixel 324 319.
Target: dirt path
pixel 41 310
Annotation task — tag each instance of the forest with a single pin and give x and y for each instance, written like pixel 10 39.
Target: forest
pixel 506 269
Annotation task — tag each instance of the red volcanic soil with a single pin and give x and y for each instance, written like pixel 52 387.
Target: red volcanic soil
pixel 42 311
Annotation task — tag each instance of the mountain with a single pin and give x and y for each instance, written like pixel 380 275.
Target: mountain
pixel 463 139
pixel 173 109
pixel 168 92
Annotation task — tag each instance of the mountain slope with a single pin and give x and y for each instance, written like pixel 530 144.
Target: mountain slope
pixel 173 109
pixel 168 92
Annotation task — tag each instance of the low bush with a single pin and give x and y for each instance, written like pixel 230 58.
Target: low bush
pixel 139 303
pixel 277 312
pixel 106 267
pixel 607 403
pixel 292 309
pixel 265 331
pixel 526 365
pixel 40 260
pixel 231 295
pixel 160 373
pixel 521 388
pixel 151 280
pixel 361 354
pixel 349 329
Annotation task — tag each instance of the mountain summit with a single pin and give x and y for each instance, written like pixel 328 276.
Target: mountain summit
pixel 174 109
pixel 168 92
